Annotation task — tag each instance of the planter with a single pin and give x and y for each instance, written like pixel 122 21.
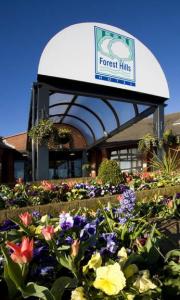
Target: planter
pixel 64 139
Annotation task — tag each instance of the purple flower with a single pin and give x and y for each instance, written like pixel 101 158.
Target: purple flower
pixel 122 221
pixel 47 271
pixel 43 271
pixel 127 204
pixel 88 231
pixel 80 186
pixel 36 215
pixel 91 194
pixel 66 221
pixel 8 225
pixel 79 221
pixel 121 188
pixel 40 252
pixel 111 246
pixel 69 240
pixel 178 196
pixel 111 242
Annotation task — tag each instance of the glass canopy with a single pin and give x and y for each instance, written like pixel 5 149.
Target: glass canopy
pixel 95 118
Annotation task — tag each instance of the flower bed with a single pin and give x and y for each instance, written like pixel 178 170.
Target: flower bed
pixel 115 252
pixel 145 185
pixel 153 197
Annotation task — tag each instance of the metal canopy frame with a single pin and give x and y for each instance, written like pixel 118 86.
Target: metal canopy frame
pixel 81 106
pixel 47 86
pixel 77 118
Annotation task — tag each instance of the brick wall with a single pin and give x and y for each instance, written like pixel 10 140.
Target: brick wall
pixel 17 141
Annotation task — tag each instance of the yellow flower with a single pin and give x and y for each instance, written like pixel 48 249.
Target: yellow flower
pixel 78 294
pixel 143 283
pixel 122 254
pixel 56 229
pixel 44 219
pixel 32 228
pixel 130 296
pixel 94 263
pixel 110 279
pixel 38 229
pixel 130 270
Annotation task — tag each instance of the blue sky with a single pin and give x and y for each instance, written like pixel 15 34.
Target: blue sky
pixel 27 25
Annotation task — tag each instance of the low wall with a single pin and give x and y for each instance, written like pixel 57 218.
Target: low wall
pixel 93 203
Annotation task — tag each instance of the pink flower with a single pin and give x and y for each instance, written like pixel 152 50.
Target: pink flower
pixel 120 198
pixel 23 253
pixel 75 248
pixel 48 232
pixel 170 204
pixel 26 218
pixel 47 185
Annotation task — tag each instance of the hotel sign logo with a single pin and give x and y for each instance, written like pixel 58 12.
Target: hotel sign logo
pixel 115 57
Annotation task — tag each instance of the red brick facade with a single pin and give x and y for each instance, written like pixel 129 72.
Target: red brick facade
pixel 17 141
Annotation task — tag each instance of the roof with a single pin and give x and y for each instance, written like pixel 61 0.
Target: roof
pixel 3 145
pixel 17 141
pixel 138 130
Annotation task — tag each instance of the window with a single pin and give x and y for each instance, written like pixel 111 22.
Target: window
pixel 129 159
pixel 19 169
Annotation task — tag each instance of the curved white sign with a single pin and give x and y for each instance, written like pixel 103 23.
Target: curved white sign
pixel 105 55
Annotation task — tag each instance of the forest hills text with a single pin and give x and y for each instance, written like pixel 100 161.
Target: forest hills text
pixel 114 65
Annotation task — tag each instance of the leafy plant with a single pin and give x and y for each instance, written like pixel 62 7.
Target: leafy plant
pixel 147 142
pixel 42 131
pixel 109 172
pixel 169 138
pixel 172 271
pixel 46 133
pixel 86 168
pixel 169 162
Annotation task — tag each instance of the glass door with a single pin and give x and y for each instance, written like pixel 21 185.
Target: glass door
pixel 65 166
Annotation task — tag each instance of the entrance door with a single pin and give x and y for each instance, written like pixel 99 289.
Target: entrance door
pixel 65 165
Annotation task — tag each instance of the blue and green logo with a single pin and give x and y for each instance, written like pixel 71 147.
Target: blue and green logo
pixel 115 57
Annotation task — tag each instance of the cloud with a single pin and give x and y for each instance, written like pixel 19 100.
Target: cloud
pixel 120 50
pixel 105 44
pixel 114 48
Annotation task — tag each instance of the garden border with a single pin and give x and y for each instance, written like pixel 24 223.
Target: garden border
pixel 56 207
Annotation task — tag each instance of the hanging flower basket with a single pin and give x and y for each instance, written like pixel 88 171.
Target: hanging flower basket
pixel 60 137
pixel 63 135
pixel 147 143
pixel 45 133
pixel 169 138
pixel 41 132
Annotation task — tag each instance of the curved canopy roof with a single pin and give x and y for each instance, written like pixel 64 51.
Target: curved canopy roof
pixel 99 79
pixel 96 118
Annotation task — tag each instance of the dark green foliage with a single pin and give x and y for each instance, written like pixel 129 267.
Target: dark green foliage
pixel 169 138
pixel 109 172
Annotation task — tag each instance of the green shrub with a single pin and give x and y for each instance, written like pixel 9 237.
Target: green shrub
pixel 109 172
pixel 168 163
